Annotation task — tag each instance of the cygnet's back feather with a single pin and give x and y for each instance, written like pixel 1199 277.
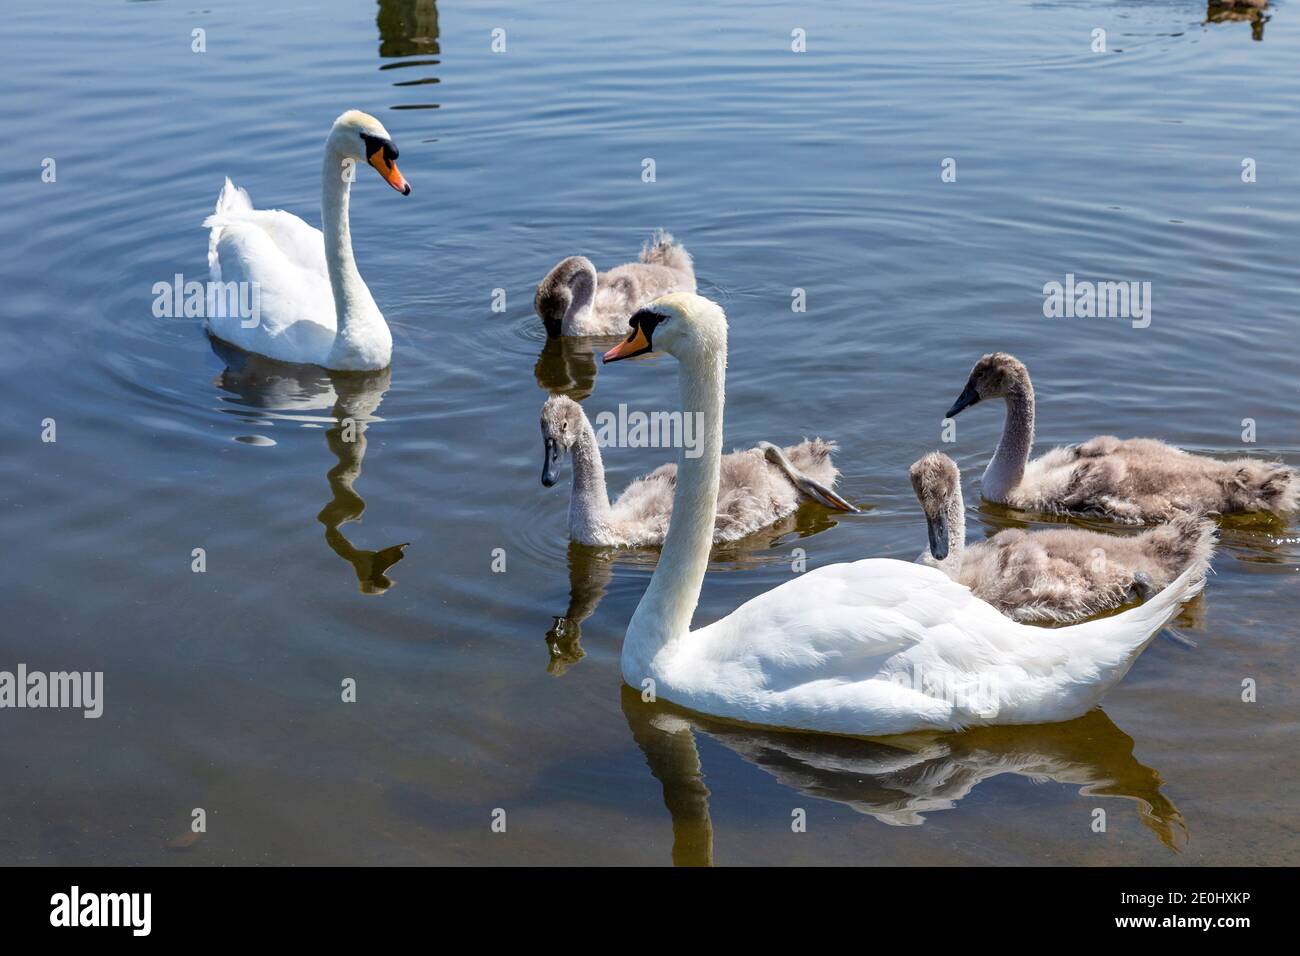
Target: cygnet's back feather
pixel 574 299
pixel 752 493
pixel 1065 575
pixel 1055 575
pixel 1144 480
pixel 1133 481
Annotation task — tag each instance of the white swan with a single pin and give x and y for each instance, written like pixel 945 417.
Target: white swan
pixel 314 307
pixel 869 648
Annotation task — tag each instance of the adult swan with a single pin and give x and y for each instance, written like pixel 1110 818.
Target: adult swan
pixel 314 307
pixel 869 648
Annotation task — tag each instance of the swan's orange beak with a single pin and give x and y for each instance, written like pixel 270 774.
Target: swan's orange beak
pixel 634 344
pixel 388 169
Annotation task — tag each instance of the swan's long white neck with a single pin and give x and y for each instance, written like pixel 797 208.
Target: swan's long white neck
pixel 362 339
pixel 589 510
pixel 350 290
pixel 1007 467
pixel 664 614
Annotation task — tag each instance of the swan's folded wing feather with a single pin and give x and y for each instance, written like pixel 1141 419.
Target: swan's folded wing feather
pixel 843 621
pixel 843 649
pixel 296 306
pixel 299 241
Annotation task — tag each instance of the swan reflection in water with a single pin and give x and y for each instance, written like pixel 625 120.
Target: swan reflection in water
pixel 408 42
pixel 567 365
pixel 264 390
pixel 895 780
pixel 1239 11
pixel 590 571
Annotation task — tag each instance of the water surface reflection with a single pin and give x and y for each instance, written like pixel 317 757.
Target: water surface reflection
pixel 567 365
pixel 408 34
pixel 1234 11
pixel 895 780
pixel 352 399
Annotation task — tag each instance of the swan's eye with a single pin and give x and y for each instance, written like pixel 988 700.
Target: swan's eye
pixel 647 321
pixel 376 143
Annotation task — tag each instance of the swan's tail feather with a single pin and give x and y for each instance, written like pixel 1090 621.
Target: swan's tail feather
pixel 662 249
pixel 232 203
pixel 1108 646
pixel 1069 669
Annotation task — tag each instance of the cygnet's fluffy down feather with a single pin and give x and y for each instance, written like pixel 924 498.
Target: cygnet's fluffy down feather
pixel 1055 575
pixel 752 493
pixel 574 299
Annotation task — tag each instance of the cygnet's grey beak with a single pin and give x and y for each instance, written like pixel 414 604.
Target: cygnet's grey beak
pixel 938 531
pixel 966 399
pixel 551 462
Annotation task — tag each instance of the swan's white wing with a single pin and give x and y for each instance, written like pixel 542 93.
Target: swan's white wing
pixel 834 617
pixel 284 258
pixel 882 647
pixel 302 243
pixel 295 320
pixel 872 647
